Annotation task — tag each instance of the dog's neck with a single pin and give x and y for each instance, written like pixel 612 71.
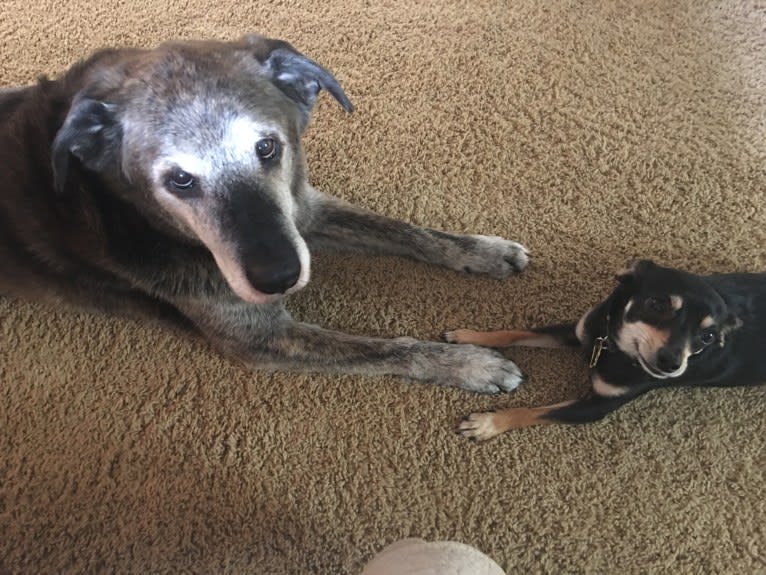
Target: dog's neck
pixel 601 340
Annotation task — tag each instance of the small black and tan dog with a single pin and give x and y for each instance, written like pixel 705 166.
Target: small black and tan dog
pixel 660 327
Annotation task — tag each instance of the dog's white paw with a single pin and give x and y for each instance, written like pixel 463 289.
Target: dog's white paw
pixel 479 426
pixel 494 256
pixel 475 369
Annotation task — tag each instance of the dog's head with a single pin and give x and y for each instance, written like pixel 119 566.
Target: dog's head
pixel 205 138
pixel 669 318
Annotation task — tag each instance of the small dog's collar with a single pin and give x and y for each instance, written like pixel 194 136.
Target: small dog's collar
pixel 600 344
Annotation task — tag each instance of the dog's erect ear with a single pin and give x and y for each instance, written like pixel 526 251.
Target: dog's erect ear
pixel 90 133
pixel 632 268
pixel 731 323
pixel 299 77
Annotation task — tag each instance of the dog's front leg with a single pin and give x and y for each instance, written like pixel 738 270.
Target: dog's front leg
pixel 559 335
pixel 265 337
pixel 485 425
pixel 602 399
pixel 339 226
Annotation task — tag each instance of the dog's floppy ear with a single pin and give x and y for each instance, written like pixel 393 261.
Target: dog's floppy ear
pixel 90 133
pixel 299 77
pixel 632 268
pixel 731 323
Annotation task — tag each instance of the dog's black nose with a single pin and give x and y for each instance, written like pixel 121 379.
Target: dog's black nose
pixel 668 361
pixel 277 280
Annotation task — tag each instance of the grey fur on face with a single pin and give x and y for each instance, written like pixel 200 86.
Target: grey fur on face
pixel 188 162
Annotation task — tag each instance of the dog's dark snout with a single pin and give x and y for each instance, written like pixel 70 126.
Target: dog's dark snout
pixel 277 279
pixel 668 360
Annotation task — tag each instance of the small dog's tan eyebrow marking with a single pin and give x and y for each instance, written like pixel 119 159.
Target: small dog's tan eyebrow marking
pixel 707 321
pixel 676 302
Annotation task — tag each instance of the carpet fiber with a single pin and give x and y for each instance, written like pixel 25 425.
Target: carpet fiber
pixel 592 132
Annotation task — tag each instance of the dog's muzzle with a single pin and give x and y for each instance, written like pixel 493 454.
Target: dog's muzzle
pixel 666 365
pixel 669 361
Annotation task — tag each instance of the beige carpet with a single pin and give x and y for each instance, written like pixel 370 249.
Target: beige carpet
pixel 590 131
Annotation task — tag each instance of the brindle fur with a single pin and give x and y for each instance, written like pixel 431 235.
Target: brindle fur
pixel 85 220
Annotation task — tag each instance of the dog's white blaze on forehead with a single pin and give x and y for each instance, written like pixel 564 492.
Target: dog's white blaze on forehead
pixel 233 152
pixel 195 165
pixel 241 135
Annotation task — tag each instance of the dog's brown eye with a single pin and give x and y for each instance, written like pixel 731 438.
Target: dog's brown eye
pixel 180 180
pixel 267 148
pixel 707 336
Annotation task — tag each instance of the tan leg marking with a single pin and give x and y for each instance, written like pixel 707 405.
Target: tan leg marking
pixel 486 425
pixel 501 338
pixel 580 327
pixel 605 389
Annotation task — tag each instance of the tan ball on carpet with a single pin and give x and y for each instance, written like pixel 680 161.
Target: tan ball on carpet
pixel 419 557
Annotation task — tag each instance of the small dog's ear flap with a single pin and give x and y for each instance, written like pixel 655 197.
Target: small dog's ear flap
pixel 89 133
pixel 299 77
pixel 730 324
pixel 632 268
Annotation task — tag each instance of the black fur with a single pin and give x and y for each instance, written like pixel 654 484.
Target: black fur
pixel 737 304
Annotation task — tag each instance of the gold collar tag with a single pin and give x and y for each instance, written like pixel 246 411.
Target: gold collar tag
pixel 598 346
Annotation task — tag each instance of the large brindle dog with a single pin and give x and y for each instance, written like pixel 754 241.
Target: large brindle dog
pixel 170 184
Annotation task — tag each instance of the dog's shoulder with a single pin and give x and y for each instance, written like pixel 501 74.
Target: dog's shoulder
pixel 10 99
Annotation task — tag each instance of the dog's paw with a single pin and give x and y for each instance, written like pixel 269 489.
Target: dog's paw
pixel 456 336
pixel 478 369
pixel 494 256
pixel 449 336
pixel 479 426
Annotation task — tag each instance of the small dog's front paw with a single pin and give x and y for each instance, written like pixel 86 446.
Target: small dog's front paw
pixel 479 426
pixel 457 336
pixel 495 256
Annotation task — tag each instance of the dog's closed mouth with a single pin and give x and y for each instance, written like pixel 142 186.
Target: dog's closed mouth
pixel 656 373
pixel 646 366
